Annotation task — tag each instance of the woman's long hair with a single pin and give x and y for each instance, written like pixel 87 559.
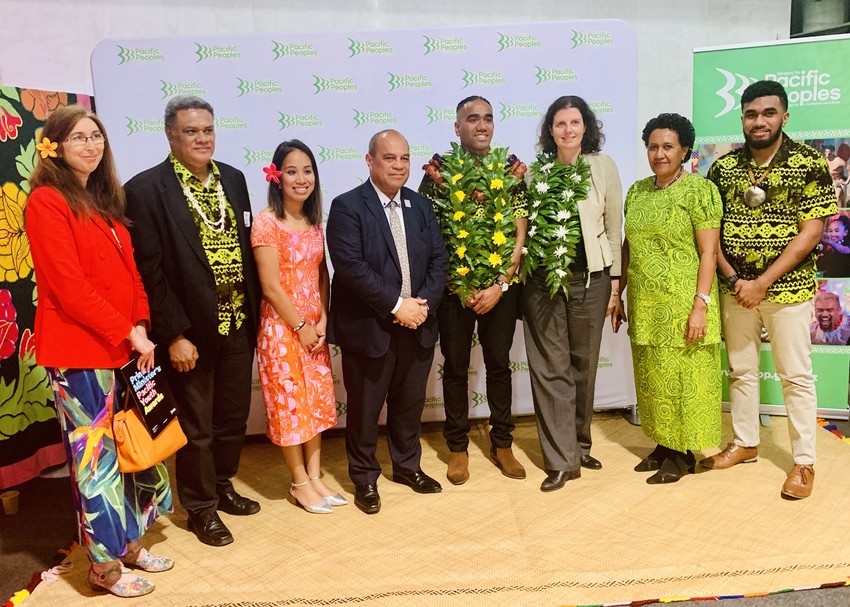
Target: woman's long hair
pixel 593 139
pixel 313 205
pixel 103 193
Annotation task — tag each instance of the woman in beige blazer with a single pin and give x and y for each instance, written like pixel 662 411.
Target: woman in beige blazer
pixel 563 332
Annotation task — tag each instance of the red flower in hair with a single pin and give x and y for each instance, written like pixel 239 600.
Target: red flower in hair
pixel 272 174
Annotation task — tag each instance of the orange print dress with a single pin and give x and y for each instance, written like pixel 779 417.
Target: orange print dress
pixel 297 386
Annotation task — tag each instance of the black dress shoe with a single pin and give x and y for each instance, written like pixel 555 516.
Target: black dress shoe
pixel 590 462
pixel 674 467
pixel 233 503
pixel 210 529
pixel 654 460
pixel 418 481
pixel 555 479
pixel 367 499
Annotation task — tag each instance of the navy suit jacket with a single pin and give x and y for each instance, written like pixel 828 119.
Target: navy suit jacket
pixel 367 273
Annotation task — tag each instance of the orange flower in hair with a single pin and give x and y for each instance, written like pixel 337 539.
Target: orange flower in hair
pixel 47 148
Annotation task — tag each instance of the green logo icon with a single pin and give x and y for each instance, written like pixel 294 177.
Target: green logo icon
pixel 259 87
pixel 525 110
pixel 170 89
pixel 408 81
pixel 368 47
pixel 730 93
pixel 451 44
pixel 591 39
pixel 490 78
pixel 342 84
pixel 518 366
pixel 380 118
pixel 142 53
pixel 518 41
pixel 303 121
pixel 478 399
pixel 218 51
pixel 134 126
pixel 446 114
pixel 295 49
pixel 345 153
pixel 558 74
pixel 255 156
pixel 341 408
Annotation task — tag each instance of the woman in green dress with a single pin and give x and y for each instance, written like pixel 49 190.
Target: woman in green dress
pixel 669 254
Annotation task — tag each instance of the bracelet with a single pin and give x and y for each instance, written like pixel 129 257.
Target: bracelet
pixel 300 325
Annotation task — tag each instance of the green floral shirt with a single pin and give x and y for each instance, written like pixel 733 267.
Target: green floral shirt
pixel 221 248
pixel 799 188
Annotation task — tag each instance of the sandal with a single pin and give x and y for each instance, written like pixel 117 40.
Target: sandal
pixel 120 582
pixel 141 558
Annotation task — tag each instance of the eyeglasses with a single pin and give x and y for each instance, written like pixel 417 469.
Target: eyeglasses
pixel 79 140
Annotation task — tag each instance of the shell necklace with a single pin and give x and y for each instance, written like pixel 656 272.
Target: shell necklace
pixel 669 183
pixel 218 225
pixel 754 196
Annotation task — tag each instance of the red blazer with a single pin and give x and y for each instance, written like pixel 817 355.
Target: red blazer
pixel 90 294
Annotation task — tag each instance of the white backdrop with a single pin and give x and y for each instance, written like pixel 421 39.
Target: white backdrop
pixel 335 89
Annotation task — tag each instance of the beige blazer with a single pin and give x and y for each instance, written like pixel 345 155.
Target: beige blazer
pixel 601 215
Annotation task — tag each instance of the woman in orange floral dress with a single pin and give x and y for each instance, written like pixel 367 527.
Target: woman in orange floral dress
pixel 293 356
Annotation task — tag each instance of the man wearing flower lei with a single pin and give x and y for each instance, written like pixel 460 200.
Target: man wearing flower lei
pixel 192 237
pixel 479 200
pixel 572 256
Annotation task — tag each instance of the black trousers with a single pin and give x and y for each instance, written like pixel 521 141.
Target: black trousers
pixel 496 334
pixel 214 400
pixel 398 378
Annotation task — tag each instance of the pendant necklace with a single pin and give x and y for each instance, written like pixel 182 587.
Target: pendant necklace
pixel 754 196
pixel 669 183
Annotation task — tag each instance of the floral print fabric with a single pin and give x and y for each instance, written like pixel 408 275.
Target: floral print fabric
pixel 114 507
pixel 297 386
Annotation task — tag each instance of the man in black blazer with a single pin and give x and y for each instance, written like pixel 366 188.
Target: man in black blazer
pixel 390 268
pixel 192 239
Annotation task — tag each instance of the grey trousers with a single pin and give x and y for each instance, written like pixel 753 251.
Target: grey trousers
pixel 562 337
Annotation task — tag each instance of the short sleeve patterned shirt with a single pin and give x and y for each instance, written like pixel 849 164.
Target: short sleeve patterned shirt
pixel 798 188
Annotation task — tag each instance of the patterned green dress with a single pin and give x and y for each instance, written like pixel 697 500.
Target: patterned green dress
pixel 678 387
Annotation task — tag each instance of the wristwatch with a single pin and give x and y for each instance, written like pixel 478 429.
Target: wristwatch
pixel 502 285
pixel 731 280
pixel 704 297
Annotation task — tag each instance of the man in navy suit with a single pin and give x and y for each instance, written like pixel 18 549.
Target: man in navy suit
pixel 390 269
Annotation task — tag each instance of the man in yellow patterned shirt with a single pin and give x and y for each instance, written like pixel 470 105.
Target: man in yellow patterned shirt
pixel 776 193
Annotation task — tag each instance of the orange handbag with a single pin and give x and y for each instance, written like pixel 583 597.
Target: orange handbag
pixel 135 447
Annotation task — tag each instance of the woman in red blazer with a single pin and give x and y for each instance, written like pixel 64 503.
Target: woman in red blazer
pixel 92 313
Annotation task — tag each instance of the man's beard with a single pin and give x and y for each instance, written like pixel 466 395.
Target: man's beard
pixel 761 144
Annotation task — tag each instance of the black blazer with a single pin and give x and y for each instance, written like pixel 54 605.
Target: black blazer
pixel 367 274
pixel 171 260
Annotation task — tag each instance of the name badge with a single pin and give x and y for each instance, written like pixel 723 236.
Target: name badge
pixel 246 218
pixel 407 203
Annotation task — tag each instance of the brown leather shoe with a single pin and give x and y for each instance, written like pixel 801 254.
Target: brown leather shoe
pixel 458 472
pixel 731 455
pixel 505 461
pixel 800 481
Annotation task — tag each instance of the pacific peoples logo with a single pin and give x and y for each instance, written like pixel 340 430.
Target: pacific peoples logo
pixel 340 84
pixel 556 74
pixel 408 81
pixel 217 51
pixel 294 49
pixel 301 121
pixel 451 44
pixel 518 41
pixel 170 89
pixel 491 78
pixel 591 39
pixel 259 87
pixel 368 47
pixel 344 153
pixel 446 114
pixel 157 125
pixel 525 110
pixel 379 118
pixel 144 54
pixel 255 156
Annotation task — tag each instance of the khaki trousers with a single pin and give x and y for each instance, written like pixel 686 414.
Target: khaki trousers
pixel 788 328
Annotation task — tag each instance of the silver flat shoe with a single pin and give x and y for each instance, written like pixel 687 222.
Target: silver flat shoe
pixel 335 500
